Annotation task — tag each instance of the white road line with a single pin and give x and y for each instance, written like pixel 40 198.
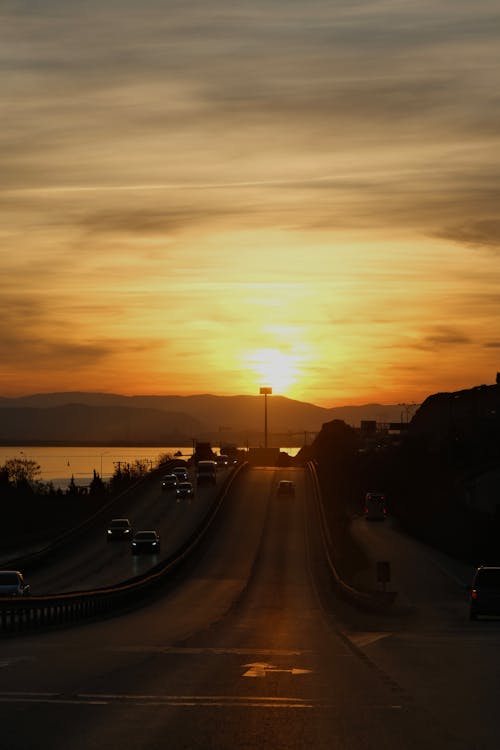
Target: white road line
pixel 178 701
pixel 214 651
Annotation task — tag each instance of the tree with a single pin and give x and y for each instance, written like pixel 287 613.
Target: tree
pixel 97 485
pixel 22 471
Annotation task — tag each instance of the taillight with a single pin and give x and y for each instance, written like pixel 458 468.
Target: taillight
pixel 473 594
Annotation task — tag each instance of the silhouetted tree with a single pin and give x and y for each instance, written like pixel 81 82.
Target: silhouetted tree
pixel 21 471
pixel 97 486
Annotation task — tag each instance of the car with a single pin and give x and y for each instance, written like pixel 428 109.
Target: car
pixel 119 529
pixel 168 482
pixel 184 489
pixel 375 508
pixel 222 460
pixel 286 487
pixel 485 592
pixel 180 473
pixel 12 583
pixel 145 541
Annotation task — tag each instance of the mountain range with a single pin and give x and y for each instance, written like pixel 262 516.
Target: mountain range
pixel 108 418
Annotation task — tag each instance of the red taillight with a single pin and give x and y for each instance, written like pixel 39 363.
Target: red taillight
pixel 473 594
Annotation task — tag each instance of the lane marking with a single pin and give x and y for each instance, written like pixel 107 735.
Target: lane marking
pixel 179 701
pixel 215 651
pixel 190 701
pixel 261 669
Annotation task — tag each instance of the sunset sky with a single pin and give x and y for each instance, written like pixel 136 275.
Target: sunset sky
pixel 212 196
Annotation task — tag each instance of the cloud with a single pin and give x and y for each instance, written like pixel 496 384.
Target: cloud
pixel 433 339
pixel 483 233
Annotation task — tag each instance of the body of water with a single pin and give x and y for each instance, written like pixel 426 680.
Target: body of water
pixel 59 464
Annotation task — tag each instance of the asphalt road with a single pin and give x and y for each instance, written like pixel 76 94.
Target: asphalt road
pixel 93 562
pixel 250 650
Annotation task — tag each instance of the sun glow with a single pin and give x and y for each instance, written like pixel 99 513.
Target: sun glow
pixel 274 368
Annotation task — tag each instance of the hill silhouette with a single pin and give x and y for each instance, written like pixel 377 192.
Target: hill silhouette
pixel 107 417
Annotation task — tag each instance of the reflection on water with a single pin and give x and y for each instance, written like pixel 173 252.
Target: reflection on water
pixel 59 464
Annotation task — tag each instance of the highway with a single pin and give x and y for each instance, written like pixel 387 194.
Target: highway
pixel 251 650
pixel 93 562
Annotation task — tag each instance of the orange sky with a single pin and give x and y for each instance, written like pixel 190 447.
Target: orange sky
pixel 211 197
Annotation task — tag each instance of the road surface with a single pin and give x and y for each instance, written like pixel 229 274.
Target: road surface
pixel 250 650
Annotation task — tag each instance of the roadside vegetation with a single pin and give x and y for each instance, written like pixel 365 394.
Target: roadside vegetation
pixel 34 511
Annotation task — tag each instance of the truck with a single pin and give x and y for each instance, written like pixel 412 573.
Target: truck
pixel 206 471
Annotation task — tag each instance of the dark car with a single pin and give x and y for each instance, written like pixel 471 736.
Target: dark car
pixel 119 529
pixel 169 482
pixel 286 487
pixel 145 541
pixel 12 583
pixel 180 473
pixel 375 508
pixel 485 592
pixel 185 489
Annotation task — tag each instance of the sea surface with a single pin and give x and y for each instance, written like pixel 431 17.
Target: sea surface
pixel 59 464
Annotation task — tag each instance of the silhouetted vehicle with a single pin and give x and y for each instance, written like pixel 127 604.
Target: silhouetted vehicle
pixel 222 460
pixel 485 592
pixel 286 487
pixel 375 506
pixel 180 473
pixel 184 489
pixel 119 529
pixel 145 542
pixel 12 584
pixel 206 471
pixel 169 482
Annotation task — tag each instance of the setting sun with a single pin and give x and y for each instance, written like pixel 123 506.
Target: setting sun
pixel 274 368
pixel 249 201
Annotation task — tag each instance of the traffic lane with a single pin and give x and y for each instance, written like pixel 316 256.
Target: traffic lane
pixel 435 653
pixel 95 562
pixel 272 672
pixel 214 580
pixel 431 584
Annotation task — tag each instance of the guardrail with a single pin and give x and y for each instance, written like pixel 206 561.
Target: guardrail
pixel 26 614
pixel 373 601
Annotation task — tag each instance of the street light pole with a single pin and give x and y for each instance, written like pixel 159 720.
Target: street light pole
pixel 265 392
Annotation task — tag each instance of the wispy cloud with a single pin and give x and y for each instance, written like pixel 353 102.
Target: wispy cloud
pixel 160 159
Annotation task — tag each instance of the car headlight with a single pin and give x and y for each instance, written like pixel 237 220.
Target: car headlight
pixel 134 544
pixel 126 531
pixel 109 531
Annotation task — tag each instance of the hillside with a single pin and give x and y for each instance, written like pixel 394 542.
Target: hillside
pixel 103 417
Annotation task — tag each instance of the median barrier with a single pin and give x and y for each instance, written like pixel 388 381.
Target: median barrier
pixel 26 614
pixel 372 601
